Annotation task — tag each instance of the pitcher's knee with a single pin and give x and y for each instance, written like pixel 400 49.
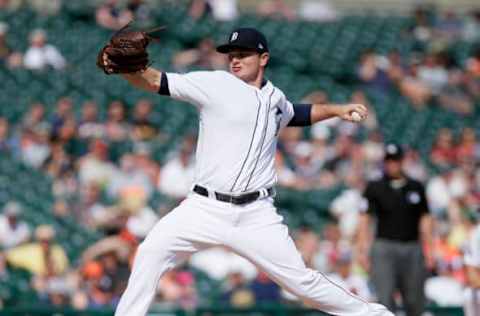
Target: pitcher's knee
pixel 154 252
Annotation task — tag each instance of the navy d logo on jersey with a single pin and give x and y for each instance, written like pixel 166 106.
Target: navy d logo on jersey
pixel 413 197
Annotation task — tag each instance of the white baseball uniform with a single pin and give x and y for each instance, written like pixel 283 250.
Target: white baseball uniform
pixel 238 131
pixel 472 258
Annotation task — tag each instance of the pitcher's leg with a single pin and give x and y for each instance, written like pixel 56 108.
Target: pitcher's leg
pixel 185 230
pixel 269 246
pixel 149 265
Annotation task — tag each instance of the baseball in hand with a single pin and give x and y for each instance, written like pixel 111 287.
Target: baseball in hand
pixel 356 117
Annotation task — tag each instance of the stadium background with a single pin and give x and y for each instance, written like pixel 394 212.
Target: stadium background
pixel 76 177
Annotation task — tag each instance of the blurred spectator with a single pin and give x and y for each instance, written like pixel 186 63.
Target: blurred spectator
pixel 45 7
pixel 66 136
pixel 416 90
pixel 140 11
pixel 235 291
pixel 94 167
pixel 144 162
pixel 199 9
pixel 129 178
pixel 448 26
pixel 61 208
pixel 276 9
pixel 141 218
pixel 13 231
pixel 372 71
pixel 413 166
pixel 204 56
pixel 442 289
pixel 116 270
pixel 447 256
pixel 331 246
pixel 265 290
pixel 5 141
pixel 433 74
pixel 224 10
pixel 467 146
pixel 443 189
pixel 471 30
pixel 143 127
pixel 422 29
pixel 8 57
pixel 344 277
pixel 308 244
pixel 63 112
pixel 34 147
pixel 5 50
pixel 443 151
pixel 314 10
pixel 116 125
pixel 177 287
pixel 43 257
pixel 101 293
pixel 373 151
pixel 454 96
pixel 221 10
pixel 347 206
pixel 177 174
pixel 65 185
pixel 403 226
pixel 90 211
pixel 41 55
pixel 305 167
pixel 286 176
pixel 89 126
pixel 218 262
pixel 110 16
pixel 472 76
pixel 58 163
pixel 35 118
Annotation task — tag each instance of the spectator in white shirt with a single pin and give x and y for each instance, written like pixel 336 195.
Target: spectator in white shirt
pixel 41 55
pixel 12 231
pixel 344 277
pixel 176 176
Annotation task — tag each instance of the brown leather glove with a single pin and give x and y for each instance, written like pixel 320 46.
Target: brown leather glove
pixel 126 52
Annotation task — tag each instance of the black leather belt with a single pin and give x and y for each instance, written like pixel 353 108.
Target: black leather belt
pixel 234 199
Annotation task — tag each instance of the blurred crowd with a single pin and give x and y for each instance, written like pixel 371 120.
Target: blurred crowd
pixel 430 74
pixel 110 191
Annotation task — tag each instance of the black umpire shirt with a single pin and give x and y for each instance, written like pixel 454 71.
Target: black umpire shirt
pixel 398 206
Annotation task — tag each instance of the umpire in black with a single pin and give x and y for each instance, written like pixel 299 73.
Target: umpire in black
pixel 395 256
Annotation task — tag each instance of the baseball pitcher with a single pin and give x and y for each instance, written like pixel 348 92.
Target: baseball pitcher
pixel 231 201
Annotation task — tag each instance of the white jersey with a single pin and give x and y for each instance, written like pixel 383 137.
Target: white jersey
pixel 238 129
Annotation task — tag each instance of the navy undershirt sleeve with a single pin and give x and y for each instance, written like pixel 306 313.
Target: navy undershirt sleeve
pixel 302 115
pixel 164 90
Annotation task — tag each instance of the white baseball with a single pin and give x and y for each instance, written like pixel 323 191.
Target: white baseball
pixel 356 116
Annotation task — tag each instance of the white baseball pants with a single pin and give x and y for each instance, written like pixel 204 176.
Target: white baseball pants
pixel 254 231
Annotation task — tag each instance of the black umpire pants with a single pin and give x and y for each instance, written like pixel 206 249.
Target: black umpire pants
pixel 399 265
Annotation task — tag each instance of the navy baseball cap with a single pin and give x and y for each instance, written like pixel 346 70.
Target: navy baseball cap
pixel 245 38
pixel 393 152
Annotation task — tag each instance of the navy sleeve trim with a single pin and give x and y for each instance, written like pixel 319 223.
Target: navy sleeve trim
pixel 164 90
pixel 302 115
